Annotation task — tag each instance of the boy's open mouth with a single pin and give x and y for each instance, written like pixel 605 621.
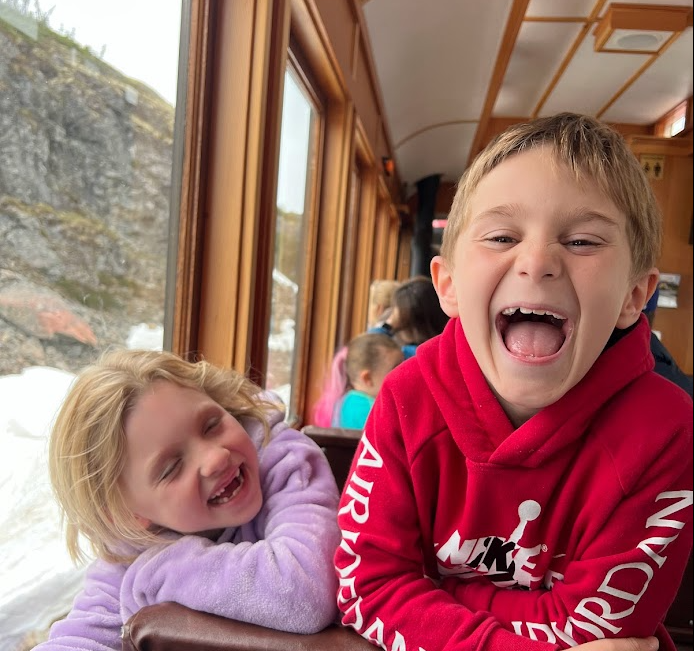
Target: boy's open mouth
pixel 228 492
pixel 532 333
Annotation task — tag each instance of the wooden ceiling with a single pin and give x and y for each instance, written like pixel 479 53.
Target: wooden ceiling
pixel 446 68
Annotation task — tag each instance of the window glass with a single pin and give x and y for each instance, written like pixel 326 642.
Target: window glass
pixel 87 103
pixel 295 179
pixel 349 255
pixel 678 125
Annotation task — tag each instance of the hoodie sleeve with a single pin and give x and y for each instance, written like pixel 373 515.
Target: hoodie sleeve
pixel 384 594
pixel 285 579
pixel 94 623
pixel 624 580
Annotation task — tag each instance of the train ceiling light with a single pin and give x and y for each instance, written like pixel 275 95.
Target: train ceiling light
pixel 640 29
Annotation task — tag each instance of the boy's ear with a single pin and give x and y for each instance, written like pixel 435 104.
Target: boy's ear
pixel 636 299
pixel 442 278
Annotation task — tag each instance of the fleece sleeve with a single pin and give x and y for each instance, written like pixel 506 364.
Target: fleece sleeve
pixel 285 579
pixel 624 580
pixel 383 593
pixel 94 623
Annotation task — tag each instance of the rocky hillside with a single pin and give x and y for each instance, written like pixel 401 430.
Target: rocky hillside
pixel 85 167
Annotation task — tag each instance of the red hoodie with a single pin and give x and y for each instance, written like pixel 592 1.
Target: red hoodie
pixel 460 533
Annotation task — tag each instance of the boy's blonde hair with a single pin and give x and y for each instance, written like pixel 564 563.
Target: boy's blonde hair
pixel 87 444
pixel 591 150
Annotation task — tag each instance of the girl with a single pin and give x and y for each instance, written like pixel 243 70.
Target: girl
pixel 416 315
pixel 357 373
pixel 380 301
pixel 190 488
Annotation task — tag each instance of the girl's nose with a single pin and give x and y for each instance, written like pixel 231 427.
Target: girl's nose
pixel 539 262
pixel 213 460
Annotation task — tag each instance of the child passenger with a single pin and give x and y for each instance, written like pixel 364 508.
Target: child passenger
pixel 525 482
pixel 356 376
pixel 190 488
pixel 380 301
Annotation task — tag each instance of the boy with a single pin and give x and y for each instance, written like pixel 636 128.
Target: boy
pixel 509 492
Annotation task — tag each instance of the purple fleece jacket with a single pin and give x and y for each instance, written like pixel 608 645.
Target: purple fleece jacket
pixel 275 571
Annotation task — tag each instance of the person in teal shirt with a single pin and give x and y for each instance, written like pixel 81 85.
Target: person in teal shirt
pixel 370 357
pixel 357 372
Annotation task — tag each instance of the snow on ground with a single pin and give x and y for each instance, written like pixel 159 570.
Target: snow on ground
pixel 38 580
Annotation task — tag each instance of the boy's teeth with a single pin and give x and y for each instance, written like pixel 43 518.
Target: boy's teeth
pixel 510 311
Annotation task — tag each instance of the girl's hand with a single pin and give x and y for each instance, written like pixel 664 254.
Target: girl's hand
pixel 625 644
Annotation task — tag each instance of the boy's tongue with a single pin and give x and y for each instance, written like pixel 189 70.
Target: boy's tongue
pixel 533 339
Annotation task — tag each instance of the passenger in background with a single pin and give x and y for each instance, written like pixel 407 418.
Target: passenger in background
pixel 380 301
pixel 665 364
pixel 416 315
pixel 357 372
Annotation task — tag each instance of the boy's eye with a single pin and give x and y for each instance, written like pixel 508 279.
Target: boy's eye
pixel 581 242
pixel 502 239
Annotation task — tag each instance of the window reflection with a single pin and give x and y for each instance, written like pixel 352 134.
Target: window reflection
pixel 296 166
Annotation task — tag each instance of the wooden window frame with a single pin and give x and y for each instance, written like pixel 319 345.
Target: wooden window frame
pixel 304 326
pixel 236 57
pixel 682 110
pixel 366 223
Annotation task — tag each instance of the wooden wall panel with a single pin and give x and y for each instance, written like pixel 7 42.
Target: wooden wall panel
pixel 219 303
pixel 340 24
pixel 365 100
pixel 345 29
pixel 674 195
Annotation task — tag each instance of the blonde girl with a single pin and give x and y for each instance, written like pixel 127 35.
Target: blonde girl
pixel 190 488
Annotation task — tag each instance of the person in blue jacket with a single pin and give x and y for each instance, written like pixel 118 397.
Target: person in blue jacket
pixel 665 364
pixel 415 316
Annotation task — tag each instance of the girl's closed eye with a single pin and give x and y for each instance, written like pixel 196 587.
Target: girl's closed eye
pixel 170 470
pixel 212 424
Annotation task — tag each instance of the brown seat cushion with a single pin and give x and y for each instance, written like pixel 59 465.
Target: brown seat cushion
pixel 172 627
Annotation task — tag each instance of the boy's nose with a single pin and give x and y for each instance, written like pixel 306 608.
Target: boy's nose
pixel 540 261
pixel 214 459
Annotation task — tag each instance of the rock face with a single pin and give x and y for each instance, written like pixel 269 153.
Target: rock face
pixel 85 178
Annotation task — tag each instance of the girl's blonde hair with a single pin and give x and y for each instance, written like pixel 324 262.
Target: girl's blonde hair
pixel 590 149
pixel 381 292
pixel 87 444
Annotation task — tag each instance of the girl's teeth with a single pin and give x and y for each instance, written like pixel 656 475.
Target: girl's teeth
pixel 215 499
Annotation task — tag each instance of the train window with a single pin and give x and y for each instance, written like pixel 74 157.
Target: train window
pixel 86 175
pixel 299 139
pixel 87 97
pixel 385 240
pixel 677 125
pixel 349 250
pixel 364 214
